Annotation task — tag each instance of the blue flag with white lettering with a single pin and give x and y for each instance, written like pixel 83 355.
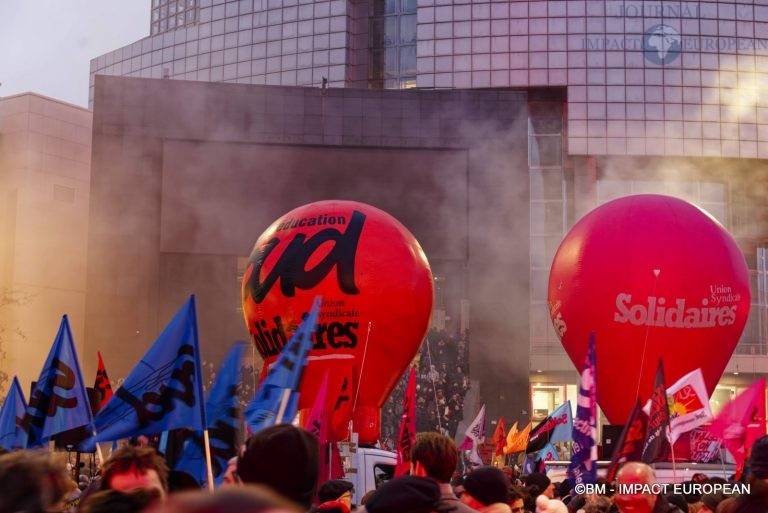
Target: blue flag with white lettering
pixel 283 379
pixel 583 467
pixel 59 401
pixel 164 391
pixel 221 410
pixel 11 413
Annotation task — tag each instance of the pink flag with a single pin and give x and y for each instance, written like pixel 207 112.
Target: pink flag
pixel 731 423
pixel 319 423
pixel 407 427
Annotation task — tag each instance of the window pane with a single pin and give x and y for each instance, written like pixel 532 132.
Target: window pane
pixel 384 7
pixel 408 60
pixel 171 21
pixel 191 16
pixel 163 24
pixel 390 30
pixel 545 150
pixel 180 20
pixel 408 29
pixel 155 3
pixel 172 7
pixel 163 11
pixel 408 5
pixel 390 63
pixel 191 3
pixel 407 82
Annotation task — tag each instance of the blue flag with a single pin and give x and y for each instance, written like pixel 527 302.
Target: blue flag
pixel 548 453
pixel 59 401
pixel 284 376
pixel 555 428
pixel 583 467
pixel 221 410
pixel 164 391
pixel 14 407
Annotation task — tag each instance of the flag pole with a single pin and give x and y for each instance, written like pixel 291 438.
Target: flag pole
pixel 208 465
pixel 99 454
pixel 672 448
pixel 283 406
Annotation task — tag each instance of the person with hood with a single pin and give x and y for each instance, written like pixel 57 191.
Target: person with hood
pixel 486 489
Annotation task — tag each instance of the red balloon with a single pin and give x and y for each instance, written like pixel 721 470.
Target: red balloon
pixel 376 287
pixel 653 277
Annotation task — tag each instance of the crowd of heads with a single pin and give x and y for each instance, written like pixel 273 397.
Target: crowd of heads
pixel 442 382
pixel 278 472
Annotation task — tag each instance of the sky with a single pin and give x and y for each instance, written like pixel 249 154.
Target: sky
pixel 46 45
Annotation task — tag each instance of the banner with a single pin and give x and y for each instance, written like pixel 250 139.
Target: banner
pixel 688 404
pixel 163 392
pixel 283 379
pixel 556 427
pixel 102 385
pixel 583 466
pixel 59 401
pixel 704 446
pixel 631 442
pixel 222 415
pixel 407 433
pixel 656 445
pixel 11 413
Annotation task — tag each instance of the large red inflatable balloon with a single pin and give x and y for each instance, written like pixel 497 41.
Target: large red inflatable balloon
pixel 653 277
pixel 376 287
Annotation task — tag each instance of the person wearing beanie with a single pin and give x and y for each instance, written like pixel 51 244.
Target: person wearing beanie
pixel 284 458
pixel 337 490
pixel 539 484
pixel 486 489
pixel 406 494
pixel 435 455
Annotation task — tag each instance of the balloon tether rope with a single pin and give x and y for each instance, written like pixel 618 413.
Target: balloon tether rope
pixel 656 273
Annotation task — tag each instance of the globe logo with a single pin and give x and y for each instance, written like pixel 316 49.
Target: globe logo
pixel 661 44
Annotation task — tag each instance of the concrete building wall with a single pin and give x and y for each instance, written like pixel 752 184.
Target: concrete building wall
pixel 44 196
pixel 180 194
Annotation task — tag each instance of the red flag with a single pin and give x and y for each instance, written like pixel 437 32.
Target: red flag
pixel 500 437
pixel 630 444
pixel 756 426
pixel 317 420
pixel 407 433
pixel 656 445
pixel 319 423
pixel 731 423
pixel 341 413
pixel 102 385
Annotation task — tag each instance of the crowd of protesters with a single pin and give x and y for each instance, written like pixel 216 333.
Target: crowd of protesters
pixel 442 382
pixel 277 472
